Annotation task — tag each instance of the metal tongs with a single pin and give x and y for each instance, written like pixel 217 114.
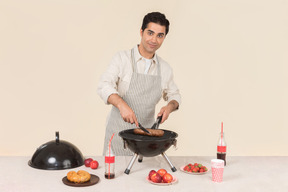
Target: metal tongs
pixel 154 126
pixel 157 123
pixel 141 127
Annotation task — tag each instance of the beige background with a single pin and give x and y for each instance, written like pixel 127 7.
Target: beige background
pixel 229 58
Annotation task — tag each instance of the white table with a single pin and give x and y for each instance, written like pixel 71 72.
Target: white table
pixel 245 174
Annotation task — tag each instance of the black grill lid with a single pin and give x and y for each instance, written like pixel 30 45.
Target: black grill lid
pixel 57 155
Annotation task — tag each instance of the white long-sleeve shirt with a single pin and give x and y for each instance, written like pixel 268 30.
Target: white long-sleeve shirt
pixel 116 79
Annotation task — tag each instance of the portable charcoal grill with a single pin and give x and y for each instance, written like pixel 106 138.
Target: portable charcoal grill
pixel 148 146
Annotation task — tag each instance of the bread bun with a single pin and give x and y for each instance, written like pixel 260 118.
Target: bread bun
pixel 80 177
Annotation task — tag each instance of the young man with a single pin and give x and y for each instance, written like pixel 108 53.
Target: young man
pixel 136 80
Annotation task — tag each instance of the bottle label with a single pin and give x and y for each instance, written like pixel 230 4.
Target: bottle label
pixel 109 159
pixel 221 149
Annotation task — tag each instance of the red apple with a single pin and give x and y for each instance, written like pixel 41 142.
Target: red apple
pixel 151 173
pixel 156 178
pixel 161 172
pixel 87 162
pixel 94 164
pixel 167 178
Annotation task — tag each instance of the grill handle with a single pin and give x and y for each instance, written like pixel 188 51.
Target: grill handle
pixel 125 144
pixel 174 143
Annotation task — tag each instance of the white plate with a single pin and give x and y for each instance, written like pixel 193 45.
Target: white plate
pixel 163 184
pixel 193 173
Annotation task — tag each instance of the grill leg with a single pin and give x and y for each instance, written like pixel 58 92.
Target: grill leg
pixel 169 162
pixel 127 171
pixel 140 159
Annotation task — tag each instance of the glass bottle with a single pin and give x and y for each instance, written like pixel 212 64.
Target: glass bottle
pixel 221 148
pixel 109 164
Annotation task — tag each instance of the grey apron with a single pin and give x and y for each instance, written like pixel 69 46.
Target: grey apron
pixel 143 94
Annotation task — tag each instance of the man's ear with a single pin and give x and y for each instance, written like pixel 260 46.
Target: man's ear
pixel 141 32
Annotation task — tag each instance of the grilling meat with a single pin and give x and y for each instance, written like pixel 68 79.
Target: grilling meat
pixel 153 132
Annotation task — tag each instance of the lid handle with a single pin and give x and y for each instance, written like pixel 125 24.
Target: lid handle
pixel 57 137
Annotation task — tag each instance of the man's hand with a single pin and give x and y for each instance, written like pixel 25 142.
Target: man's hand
pixel 166 110
pixel 126 112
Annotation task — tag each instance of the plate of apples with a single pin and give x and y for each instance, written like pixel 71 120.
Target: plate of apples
pixel 161 177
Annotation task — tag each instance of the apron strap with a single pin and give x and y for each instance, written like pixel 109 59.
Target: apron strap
pixel 134 67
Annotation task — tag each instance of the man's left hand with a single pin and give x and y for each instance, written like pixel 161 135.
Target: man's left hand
pixel 166 110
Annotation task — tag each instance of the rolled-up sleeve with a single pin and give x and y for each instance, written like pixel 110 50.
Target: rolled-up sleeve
pixel 109 80
pixel 170 89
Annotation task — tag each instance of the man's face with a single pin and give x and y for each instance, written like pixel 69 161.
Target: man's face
pixel 152 37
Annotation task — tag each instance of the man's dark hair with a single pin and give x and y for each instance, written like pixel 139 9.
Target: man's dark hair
pixel 155 17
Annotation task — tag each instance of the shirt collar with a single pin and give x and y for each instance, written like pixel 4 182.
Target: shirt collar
pixel 138 56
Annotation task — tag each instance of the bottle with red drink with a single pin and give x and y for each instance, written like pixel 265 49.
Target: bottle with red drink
pixel 222 146
pixel 109 164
